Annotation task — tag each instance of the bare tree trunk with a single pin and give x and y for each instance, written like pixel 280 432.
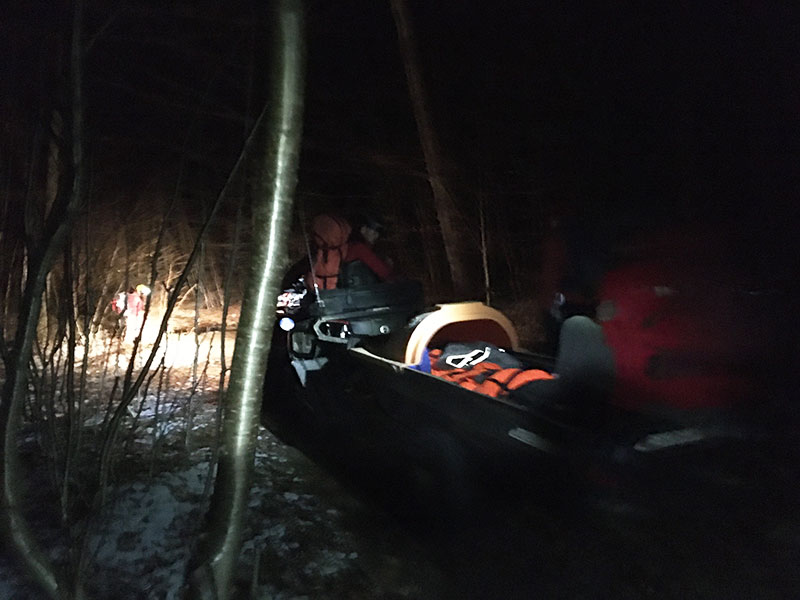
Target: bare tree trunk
pixel 212 571
pixel 56 230
pixel 446 209
pixel 487 284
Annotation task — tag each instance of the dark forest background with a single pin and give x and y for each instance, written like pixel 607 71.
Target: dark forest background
pixel 634 118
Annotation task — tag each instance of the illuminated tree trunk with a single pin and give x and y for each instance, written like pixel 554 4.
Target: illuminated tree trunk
pixel 212 570
pixel 446 209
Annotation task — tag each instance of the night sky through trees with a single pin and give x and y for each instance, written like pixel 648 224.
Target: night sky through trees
pixel 688 108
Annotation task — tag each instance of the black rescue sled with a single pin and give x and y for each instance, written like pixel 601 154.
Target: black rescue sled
pixel 346 372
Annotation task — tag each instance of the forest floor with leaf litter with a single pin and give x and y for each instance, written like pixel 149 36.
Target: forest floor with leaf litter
pixel 306 536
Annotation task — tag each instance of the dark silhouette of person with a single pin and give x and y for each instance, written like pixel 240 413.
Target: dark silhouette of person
pixel 361 247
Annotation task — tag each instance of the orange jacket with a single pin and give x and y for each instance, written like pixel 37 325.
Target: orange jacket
pixel 330 237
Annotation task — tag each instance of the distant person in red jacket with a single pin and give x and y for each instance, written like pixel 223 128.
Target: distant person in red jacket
pixel 134 313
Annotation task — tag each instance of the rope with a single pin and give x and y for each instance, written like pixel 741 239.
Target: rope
pixel 308 251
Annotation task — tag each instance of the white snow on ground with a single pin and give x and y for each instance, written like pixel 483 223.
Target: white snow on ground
pixel 139 526
pixel 301 528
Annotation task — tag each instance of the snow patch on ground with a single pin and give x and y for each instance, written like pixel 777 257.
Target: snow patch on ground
pixel 302 531
pixel 144 525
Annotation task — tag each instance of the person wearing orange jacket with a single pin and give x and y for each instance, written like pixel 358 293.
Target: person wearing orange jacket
pixel 335 244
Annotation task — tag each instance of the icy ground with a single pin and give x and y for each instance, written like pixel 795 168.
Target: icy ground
pixel 308 537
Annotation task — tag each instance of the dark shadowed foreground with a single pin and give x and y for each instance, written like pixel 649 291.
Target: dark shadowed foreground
pixel 524 541
pixel 314 536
